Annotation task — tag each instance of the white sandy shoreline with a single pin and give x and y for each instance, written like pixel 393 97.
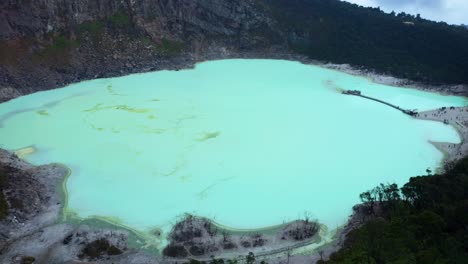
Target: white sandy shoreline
pixel 456 117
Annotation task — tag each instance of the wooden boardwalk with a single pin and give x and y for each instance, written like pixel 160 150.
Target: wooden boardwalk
pixel 358 93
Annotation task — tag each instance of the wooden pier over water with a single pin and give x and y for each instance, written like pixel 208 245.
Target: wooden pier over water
pixel 358 93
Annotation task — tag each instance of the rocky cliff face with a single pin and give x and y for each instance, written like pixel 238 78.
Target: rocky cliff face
pixel 48 43
pixel 238 22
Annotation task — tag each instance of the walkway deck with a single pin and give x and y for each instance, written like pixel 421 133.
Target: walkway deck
pixel 358 93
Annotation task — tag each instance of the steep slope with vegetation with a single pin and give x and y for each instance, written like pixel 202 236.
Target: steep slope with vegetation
pixel 426 221
pixel 397 44
pixel 47 44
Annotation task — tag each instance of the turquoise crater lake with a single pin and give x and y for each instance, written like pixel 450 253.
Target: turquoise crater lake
pixel 248 143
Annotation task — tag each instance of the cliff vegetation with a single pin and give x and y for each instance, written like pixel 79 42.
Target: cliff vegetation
pixel 425 221
pixel 401 45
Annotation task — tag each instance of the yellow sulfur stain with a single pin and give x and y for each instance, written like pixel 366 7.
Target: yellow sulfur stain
pixel 184 178
pixel 125 108
pixel 208 136
pixel 42 113
pixel 24 152
pixel 156 131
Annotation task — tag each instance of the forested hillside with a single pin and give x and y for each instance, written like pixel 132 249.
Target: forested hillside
pixel 426 221
pixel 397 44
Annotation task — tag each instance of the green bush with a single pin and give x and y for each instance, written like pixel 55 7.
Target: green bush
pixel 94 28
pixel 425 223
pixel 62 43
pixel 120 19
pixel 340 32
pixel 171 47
pixel 59 46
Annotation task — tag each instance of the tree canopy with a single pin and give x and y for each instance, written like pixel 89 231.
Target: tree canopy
pixel 402 45
pixel 425 221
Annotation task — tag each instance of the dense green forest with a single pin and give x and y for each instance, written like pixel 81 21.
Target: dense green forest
pixel 425 221
pixel 397 44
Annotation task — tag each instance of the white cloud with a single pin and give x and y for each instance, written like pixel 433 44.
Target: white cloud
pixel 450 11
pixel 365 2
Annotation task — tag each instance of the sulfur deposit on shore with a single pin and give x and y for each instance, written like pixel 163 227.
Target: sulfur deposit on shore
pixel 24 152
pixel 458 118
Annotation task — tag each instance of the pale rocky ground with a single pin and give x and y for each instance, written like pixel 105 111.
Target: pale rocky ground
pixel 456 117
pixel 32 193
pixel 7 93
pixel 460 89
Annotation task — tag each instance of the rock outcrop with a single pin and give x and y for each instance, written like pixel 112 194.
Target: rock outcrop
pixel 199 238
pixel 237 22
pixel 31 196
pixel 50 43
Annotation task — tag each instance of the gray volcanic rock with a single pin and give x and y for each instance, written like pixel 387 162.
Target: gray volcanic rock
pixel 7 93
pixel 183 19
pixel 31 192
pixel 47 44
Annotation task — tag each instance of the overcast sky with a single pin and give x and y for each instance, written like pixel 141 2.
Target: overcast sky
pixel 450 11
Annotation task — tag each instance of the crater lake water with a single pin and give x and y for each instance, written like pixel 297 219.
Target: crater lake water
pixel 247 143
